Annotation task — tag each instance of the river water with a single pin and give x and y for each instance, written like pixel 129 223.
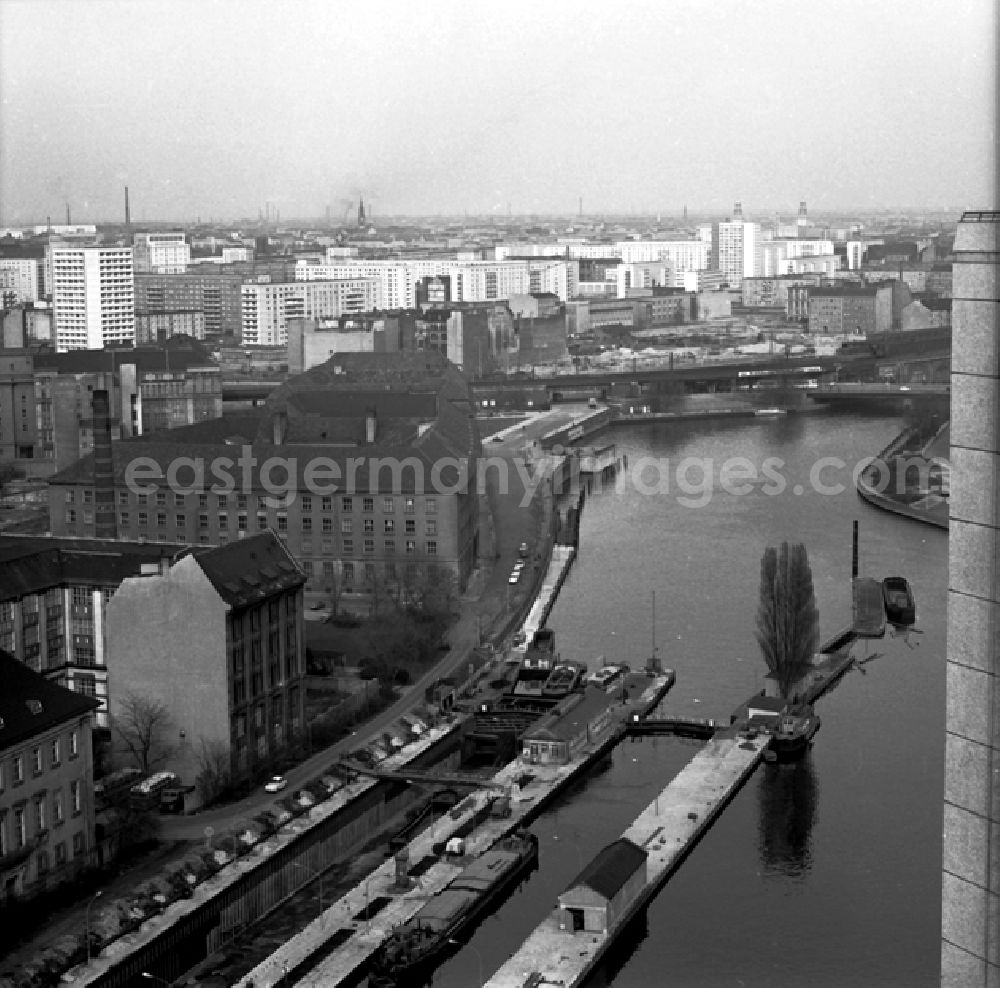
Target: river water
pixel 823 873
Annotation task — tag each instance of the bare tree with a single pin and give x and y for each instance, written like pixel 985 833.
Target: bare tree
pixel 214 769
pixel 142 726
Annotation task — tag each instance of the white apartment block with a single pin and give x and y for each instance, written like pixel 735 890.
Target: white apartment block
pixel 162 253
pixel 778 257
pixel 572 249
pixel 232 254
pixel 646 274
pixel 23 275
pixel 855 254
pixel 268 307
pixel 682 255
pixel 93 296
pixel 736 251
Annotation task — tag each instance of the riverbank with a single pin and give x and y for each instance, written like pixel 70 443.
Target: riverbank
pixel 908 478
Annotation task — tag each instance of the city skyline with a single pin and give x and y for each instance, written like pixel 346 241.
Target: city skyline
pixel 436 109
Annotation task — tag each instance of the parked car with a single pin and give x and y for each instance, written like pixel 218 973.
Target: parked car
pixel 522 550
pixel 514 577
pixel 275 784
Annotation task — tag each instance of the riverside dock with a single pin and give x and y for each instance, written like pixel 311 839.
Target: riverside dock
pixel 667 830
pixel 555 576
pixel 334 948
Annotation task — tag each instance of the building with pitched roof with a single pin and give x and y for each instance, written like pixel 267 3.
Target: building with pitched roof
pixel 365 466
pixel 605 890
pixel 46 781
pixel 53 600
pixel 216 637
pixel 581 717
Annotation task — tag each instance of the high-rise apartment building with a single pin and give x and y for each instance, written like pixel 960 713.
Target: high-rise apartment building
pixel 162 253
pixel 736 250
pixel 93 296
pixel 24 275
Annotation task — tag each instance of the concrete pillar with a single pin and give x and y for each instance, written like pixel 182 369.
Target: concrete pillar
pixel 970 922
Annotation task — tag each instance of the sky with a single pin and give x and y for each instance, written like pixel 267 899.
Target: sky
pixel 213 108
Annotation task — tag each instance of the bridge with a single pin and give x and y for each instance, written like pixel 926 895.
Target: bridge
pixel 855 392
pixel 417 775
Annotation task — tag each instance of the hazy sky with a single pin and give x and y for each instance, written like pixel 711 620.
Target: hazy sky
pixel 212 108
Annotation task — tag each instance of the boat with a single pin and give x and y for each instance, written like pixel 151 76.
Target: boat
pixel 900 608
pixel 794 731
pixel 770 411
pixel 414 949
pixel 869 608
pixel 563 679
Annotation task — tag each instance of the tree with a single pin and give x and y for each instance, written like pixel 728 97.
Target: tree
pixel 8 472
pixel 142 725
pixel 214 770
pixel 787 619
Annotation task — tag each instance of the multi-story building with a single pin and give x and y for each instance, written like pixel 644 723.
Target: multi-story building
pixel 93 296
pixel 231 672
pixel 158 327
pixel 736 251
pixel 682 255
pixel 53 601
pixel 46 782
pixel 25 277
pixel 772 292
pixel 642 274
pixel 18 429
pixel 851 309
pixel 266 308
pixel 363 523
pixel 162 253
pixel 780 257
pixel 216 294
pixel 314 341
pixel 149 389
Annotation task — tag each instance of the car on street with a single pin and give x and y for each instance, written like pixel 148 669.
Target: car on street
pixel 275 784
pixel 522 550
pixel 514 577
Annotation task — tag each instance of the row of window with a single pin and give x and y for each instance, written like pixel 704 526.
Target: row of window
pixel 66 746
pixel 309 502
pixel 47 811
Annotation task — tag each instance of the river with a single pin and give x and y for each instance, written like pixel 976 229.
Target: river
pixel 822 874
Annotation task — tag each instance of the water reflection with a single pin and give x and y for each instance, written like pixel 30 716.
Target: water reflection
pixel 787 797
pixel 620 952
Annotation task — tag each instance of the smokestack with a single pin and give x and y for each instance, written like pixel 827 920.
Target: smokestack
pixel 128 221
pixel 105 519
pixel 738 212
pixel 68 220
pixel 581 205
pixel 370 425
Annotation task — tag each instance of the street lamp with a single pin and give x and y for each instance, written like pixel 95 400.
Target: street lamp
pixel 87 916
pixel 479 957
pixel 153 977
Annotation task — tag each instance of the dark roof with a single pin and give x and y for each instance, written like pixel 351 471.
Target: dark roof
pixel 179 353
pixel 30 704
pixel 612 868
pixel 31 564
pixel 250 569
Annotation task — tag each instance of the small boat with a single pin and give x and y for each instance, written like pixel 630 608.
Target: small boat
pixel 794 731
pixel 900 608
pixel 414 949
pixel 770 411
pixel 869 608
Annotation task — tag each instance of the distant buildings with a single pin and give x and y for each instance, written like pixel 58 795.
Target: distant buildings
pixel 216 294
pixel 162 253
pixel 93 296
pixel 851 309
pixel 158 327
pixel 737 250
pixel 46 782
pixel 24 276
pixel 266 308
pixel 216 637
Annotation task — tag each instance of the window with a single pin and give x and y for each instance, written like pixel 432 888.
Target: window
pixel 36 760
pixel 54 752
pixel 307 502
pixel 409 505
pixel 178 500
pixel 77 844
pixel 88 497
pixel 369 526
pixel 326 503
pixel 432 548
pixel 203 520
pixel 432 527
pixel 74 744
pixel 387 505
pixel 161 498
pixel 411 527
pixel 40 819
pixel 57 807
pixel 241 502
pixel 18 770
pixel 20 828
pixel 61 853
pixel 161 519
pixel 180 520
pixel 241 522
pixel 348 572
pixel 307 546
pixel 390 526
pixel 70 497
pixel 307 525
pixel 70 517
pixel 76 796
pixel 202 500
pixel 261 523
pixel 143 518
pixel 124 518
pixel 123 498
pixel 390 547
pixel 282 523
pixel 346 525
pixel 430 505
pixel 221 501
pixel 346 503
pixel 223 522
pixel 348 546
pixel 411 546
pixel 368 504
pixel 369 545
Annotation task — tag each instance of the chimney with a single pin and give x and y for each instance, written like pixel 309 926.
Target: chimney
pixel 128 221
pixel 738 212
pixel 370 425
pixel 105 518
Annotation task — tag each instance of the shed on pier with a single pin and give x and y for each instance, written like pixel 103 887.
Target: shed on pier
pixel 603 892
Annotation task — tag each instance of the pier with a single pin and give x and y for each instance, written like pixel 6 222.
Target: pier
pixel 555 576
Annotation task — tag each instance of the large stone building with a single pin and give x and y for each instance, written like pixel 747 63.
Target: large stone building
pixel 365 466
pixel 46 782
pixel 216 637
pixel 214 293
pixel 53 600
pixel 971 868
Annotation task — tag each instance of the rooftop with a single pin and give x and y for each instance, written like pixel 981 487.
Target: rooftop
pixel 611 868
pixel 30 704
